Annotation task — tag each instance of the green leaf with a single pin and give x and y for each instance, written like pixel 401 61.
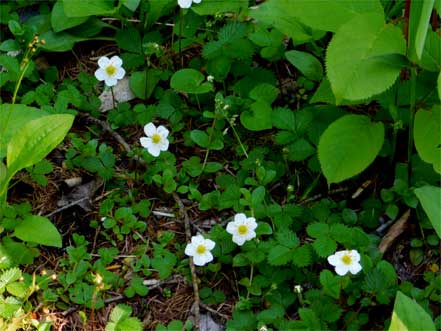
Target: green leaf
pixel 190 81
pixel 302 256
pixel 300 150
pixel 431 57
pixel 408 315
pixel 38 229
pixel 131 4
pixel 18 289
pixel 35 140
pixel 59 42
pixel 430 197
pixel 324 246
pixel 353 69
pixel 330 283
pixel 318 230
pixel 423 24
pixel 329 15
pixel 310 319
pixel 264 92
pixel 9 276
pixel 348 146
pixel 306 63
pixel 200 137
pixel 439 86
pixel 60 21
pixel 129 39
pixel 143 83
pixel 215 7
pixel 12 118
pixel 279 255
pixel 75 8
pixel 427 136
pixel 258 117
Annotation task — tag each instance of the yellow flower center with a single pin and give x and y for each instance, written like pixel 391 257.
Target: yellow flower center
pixel 201 249
pixel 156 138
pixel 346 259
pixel 110 70
pixel 242 229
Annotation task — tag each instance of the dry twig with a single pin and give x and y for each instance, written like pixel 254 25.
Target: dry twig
pixel 192 267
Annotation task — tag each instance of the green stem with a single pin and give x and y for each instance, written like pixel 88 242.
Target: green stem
pixel 413 76
pixel 209 143
pixel 251 280
pixel 113 97
pixel 181 19
pixel 238 139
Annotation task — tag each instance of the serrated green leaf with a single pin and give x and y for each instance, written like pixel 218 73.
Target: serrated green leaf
pixel 324 246
pixel 331 283
pixel 264 92
pixel 306 63
pixel 310 319
pixel 9 276
pixel 427 136
pixel 301 256
pixel 353 70
pixel 317 14
pixel 38 229
pixel 430 197
pixel 300 150
pixel 317 230
pixel 348 146
pixel 18 289
pixel 287 238
pixel 408 315
pixel 279 255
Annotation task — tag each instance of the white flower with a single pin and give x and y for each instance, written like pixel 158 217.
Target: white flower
pixel 156 140
pixel 199 249
pixel 187 3
pixel 298 289
pixel 344 261
pixel 210 78
pixel 110 70
pixel 242 228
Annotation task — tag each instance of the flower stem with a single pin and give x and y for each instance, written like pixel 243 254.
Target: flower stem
pixel 113 97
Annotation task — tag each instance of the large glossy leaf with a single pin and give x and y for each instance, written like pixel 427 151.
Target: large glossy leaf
pixel 348 146
pixel 38 229
pixel 306 63
pixel 427 136
pixel 355 67
pixel 408 316
pixel 60 21
pixel 75 8
pixel 35 140
pixel 12 118
pixel 329 15
pixel 430 197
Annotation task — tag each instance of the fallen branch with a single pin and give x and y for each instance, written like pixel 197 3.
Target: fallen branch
pixel 192 267
pixel 396 229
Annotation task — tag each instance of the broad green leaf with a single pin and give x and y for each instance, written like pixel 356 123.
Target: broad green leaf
pixel 278 14
pixel 264 92
pixel 431 57
pixel 12 118
pixel 306 63
pixel 129 39
pixel 75 8
pixel 329 15
pixel 200 137
pixel 427 136
pixel 423 24
pixel 190 81
pixel 409 316
pixel 35 140
pixel 348 146
pixel 213 7
pixel 39 230
pixel 439 86
pixel 354 69
pixel 59 42
pixel 143 83
pixel 430 197
pixel 60 21
pixel 9 276
pixel 131 4
pixel 258 118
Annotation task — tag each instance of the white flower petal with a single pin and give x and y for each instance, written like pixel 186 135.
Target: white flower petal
pixel 150 129
pixel 250 235
pixel 116 61
pixel 232 228
pixel 103 62
pixel 355 256
pixel 164 145
pixel 197 1
pixel 162 131
pixel 154 150
pixel 334 260
pixel 251 223
pixel 110 81
pixel 145 142
pixel 190 250
pixel 199 260
pixel 208 257
pixel 119 74
pixel 240 217
pixel 197 240
pixel 341 270
pixel 239 240
pixel 100 74
pixel 209 244
pixel 184 3
pixel 355 268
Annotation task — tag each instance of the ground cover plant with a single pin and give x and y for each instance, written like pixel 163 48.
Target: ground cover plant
pixel 219 164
